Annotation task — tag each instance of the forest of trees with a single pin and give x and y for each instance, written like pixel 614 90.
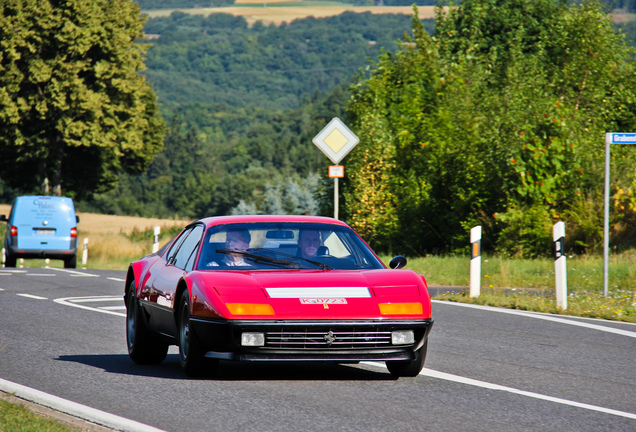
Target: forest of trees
pixel 453 122
pixel 498 120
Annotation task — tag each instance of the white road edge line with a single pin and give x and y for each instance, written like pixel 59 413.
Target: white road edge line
pixel 68 301
pixel 545 317
pixel 490 386
pixel 77 410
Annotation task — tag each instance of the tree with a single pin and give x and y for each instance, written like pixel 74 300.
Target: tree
pixel 498 119
pixel 74 109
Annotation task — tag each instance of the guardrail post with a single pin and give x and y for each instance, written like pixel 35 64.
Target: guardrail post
pixel 475 261
pixel 155 245
pixel 560 268
pixel 85 252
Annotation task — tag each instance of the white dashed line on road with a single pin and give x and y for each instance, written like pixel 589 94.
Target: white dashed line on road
pixel 31 296
pixel 75 273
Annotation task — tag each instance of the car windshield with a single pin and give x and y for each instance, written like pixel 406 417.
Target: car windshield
pixel 251 246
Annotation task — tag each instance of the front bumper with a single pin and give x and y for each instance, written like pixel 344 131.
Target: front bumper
pixel 338 341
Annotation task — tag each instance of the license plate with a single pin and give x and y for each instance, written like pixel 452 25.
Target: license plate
pixel 45 231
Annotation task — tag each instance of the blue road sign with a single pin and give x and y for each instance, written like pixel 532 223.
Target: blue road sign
pixel 623 138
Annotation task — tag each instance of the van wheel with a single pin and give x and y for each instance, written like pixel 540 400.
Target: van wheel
pixel 71 262
pixel 10 260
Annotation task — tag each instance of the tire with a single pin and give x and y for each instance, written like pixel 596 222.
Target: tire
pixel 71 262
pixel 143 347
pixel 191 355
pixel 409 368
pixel 10 260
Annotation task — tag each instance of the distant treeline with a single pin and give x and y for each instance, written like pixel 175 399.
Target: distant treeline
pixel 181 4
pixel 220 59
pixel 625 5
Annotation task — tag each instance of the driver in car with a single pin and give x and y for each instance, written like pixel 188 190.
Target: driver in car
pixel 309 241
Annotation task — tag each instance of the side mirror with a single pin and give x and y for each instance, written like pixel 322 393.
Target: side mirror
pixel 76 219
pixel 398 262
pixel 3 218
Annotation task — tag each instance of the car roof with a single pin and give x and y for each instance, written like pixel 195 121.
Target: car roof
pixel 222 220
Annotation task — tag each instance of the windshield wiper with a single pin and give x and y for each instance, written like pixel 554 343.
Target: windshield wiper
pixel 292 257
pixel 260 258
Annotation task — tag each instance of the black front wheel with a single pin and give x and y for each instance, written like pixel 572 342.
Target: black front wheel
pixel 191 354
pixel 410 368
pixel 143 347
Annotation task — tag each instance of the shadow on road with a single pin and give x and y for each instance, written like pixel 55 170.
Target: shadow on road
pixel 234 371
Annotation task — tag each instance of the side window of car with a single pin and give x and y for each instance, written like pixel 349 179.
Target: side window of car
pixel 196 232
pixel 175 245
pixel 189 247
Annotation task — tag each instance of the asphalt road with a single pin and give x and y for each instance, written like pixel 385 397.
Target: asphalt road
pixel 63 332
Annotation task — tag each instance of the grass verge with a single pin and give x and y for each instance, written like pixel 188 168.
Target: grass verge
pixel 528 284
pixel 15 417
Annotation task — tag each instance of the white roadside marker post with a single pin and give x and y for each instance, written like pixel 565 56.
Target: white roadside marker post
pixel 475 261
pixel 85 252
pixel 155 245
pixel 4 257
pixel 560 269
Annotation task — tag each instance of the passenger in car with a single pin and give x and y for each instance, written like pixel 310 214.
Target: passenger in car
pixel 235 240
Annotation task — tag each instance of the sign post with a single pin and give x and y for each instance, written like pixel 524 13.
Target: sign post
pixel 610 138
pixel 336 141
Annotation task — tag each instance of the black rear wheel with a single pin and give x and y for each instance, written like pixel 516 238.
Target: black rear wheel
pixel 410 368
pixel 71 262
pixel 10 259
pixel 143 347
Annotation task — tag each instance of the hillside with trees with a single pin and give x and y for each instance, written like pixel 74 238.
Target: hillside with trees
pixel 243 104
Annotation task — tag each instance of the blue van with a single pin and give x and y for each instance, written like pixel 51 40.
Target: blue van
pixel 41 227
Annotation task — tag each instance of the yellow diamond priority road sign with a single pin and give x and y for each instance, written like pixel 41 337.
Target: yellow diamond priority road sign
pixel 335 140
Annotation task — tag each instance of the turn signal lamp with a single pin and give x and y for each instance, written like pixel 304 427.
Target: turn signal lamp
pixel 401 308
pixel 250 309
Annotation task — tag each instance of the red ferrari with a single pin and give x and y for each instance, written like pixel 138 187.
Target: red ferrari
pixel 275 288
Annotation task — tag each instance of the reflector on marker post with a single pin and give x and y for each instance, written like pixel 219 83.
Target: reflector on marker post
pixel 475 261
pixel 560 269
